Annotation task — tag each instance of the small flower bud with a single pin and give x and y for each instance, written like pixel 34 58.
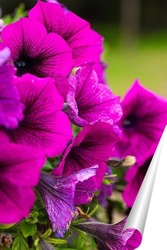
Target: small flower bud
pixel 129 161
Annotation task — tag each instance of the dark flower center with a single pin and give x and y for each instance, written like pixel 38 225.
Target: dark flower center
pixel 130 122
pixel 24 65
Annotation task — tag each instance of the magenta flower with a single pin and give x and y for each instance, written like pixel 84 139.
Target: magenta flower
pixel 36 52
pixel 93 145
pixel 100 69
pixel 89 101
pixel 52 1
pixel 112 237
pixel 19 173
pixel 144 119
pixel 44 124
pixel 85 43
pixel 10 106
pixel 58 196
pixel 134 178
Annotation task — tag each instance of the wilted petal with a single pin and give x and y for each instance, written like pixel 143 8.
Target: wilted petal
pixel 44 125
pixel 58 196
pixel 112 237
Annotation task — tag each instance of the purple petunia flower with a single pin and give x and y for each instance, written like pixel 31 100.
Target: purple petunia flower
pixel 58 196
pixel 112 237
pixel 134 178
pixel 144 119
pixel 93 145
pixel 19 173
pixel 36 52
pixel 89 101
pixel 44 124
pixel 10 106
pixel 86 44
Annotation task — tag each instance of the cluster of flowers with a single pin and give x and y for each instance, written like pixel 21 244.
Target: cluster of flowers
pixel 52 85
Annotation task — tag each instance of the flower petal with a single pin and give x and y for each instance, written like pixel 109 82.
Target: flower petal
pixel 17 179
pixel 36 52
pixel 148 114
pixel 85 43
pixel 58 196
pixel 93 145
pixel 45 125
pixel 90 101
pixel 24 37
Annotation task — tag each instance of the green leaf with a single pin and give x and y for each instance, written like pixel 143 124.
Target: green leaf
pixel 28 229
pixel 106 182
pixel 68 248
pixel 56 241
pixel 20 244
pixel 6 226
pixel 47 233
pixel 33 218
pixel 19 12
pixel 42 218
pixel 80 241
pixel 48 167
pixel 94 210
pixel 36 242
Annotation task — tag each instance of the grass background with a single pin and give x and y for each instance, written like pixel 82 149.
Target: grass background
pixel 147 61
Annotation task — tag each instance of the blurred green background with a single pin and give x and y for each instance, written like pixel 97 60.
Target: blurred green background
pixel 135 33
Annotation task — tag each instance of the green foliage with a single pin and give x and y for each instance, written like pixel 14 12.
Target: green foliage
pixel 48 167
pixel 19 12
pixel 79 241
pixel 28 229
pixel 20 244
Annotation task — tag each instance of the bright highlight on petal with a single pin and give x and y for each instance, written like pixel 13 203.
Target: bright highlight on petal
pixel 11 109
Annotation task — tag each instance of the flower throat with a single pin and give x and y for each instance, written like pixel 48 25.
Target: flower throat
pixel 24 65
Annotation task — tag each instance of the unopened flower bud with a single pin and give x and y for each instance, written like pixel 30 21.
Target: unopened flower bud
pixel 129 161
